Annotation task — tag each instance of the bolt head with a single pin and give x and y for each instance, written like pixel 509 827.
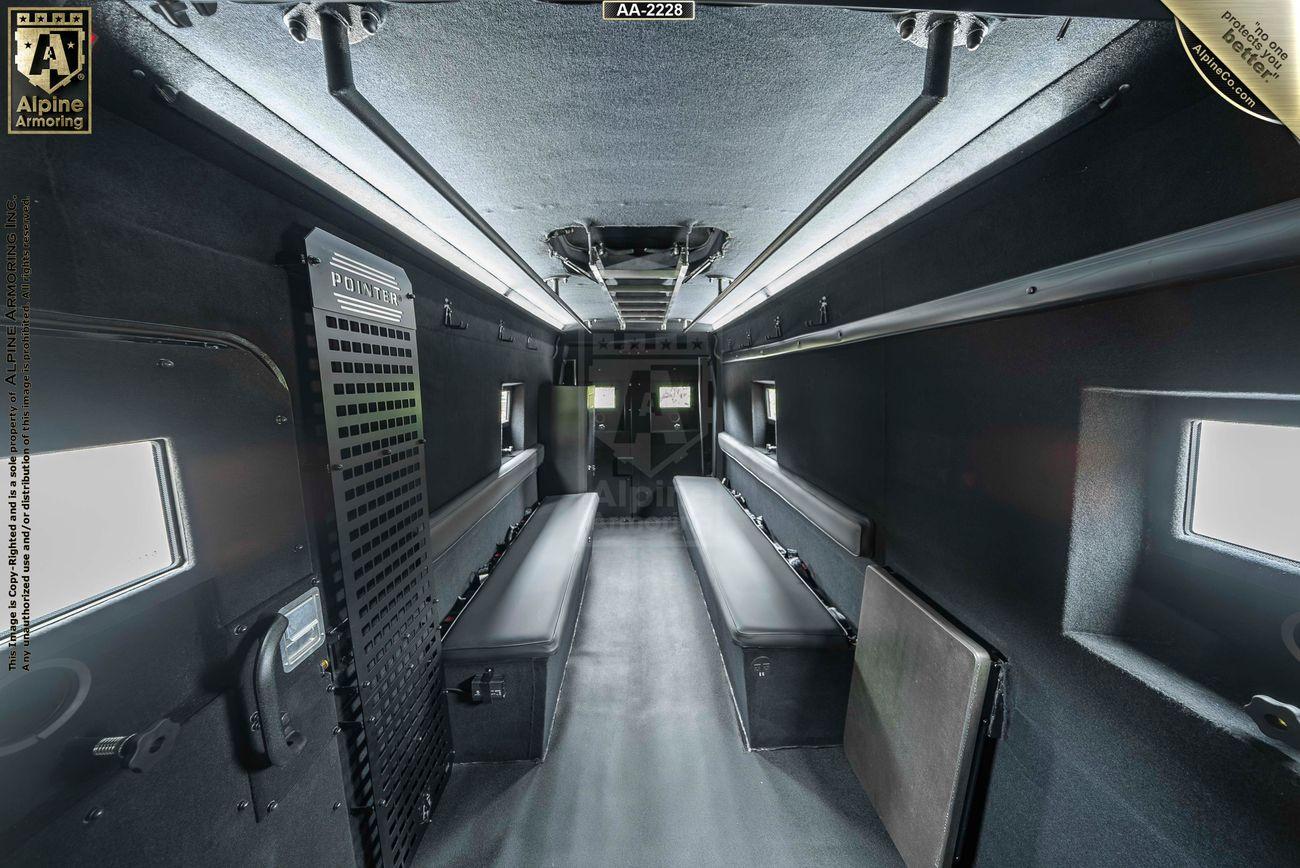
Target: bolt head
pixel 298 29
pixel 166 363
pixel 974 37
pixel 242 806
pixel 906 27
pixel 94 815
pixel 272 805
pixel 370 21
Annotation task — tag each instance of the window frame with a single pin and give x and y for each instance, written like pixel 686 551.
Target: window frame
pixel 515 405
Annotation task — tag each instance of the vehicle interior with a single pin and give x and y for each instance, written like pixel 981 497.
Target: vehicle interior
pixel 492 433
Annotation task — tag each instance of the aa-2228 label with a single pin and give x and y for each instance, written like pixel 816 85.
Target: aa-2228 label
pixel 633 10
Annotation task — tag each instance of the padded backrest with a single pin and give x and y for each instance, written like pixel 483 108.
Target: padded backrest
pixel 453 520
pixel 850 529
pixel 915 703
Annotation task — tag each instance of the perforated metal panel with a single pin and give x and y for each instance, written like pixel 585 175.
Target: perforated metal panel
pixel 390 656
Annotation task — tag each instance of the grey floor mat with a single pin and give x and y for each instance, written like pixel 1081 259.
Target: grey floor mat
pixel 646 764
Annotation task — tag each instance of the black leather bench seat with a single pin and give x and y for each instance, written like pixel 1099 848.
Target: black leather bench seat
pixel 521 625
pixel 788 661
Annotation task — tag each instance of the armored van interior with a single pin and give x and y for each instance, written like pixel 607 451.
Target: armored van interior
pixel 512 433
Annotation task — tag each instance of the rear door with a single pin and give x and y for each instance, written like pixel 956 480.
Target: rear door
pixel 168 532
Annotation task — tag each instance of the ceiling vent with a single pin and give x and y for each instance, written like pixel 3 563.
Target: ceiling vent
pixel 641 267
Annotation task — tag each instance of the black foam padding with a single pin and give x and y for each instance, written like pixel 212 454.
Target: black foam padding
pixel 520 609
pixel 962 444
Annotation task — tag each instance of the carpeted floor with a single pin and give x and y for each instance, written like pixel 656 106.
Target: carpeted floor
pixel 646 764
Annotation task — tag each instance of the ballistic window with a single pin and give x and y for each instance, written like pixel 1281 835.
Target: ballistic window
pixel 1245 486
pixel 674 397
pixel 116 502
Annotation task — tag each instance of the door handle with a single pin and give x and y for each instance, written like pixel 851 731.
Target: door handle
pixel 280 740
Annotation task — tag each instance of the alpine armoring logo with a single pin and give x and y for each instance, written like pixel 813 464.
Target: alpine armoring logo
pixel 49 70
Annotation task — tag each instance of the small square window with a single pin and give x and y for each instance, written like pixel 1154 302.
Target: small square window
pixel 674 397
pixel 769 402
pixel 1245 486
pixel 116 503
pixel 602 398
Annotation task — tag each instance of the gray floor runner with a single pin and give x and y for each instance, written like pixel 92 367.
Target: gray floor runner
pixel 646 764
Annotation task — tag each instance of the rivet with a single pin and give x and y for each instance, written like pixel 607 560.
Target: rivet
pixel 272 805
pixel 166 363
pixel 138 73
pixel 1032 290
pixel 242 806
pixel 280 420
pixel 241 629
pixel 299 547
pixel 336 806
pixel 298 29
pixel 95 814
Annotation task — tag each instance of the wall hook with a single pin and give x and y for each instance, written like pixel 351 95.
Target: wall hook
pixel 530 343
pixel 448 318
pixel 823 314
pixel 501 333
pixel 776 329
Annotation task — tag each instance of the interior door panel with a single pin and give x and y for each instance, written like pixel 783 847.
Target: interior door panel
pixel 174 648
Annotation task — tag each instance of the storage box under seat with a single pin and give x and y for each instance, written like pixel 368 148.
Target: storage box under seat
pixel 521 626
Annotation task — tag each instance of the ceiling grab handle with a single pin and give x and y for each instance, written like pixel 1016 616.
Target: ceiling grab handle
pixel 342 86
pixel 280 740
pixel 934 88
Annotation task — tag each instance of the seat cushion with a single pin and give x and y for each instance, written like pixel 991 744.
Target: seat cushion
pixel 519 612
pixel 761 602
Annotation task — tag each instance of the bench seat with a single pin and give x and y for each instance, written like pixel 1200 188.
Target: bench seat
pixel 521 625
pixel 788 660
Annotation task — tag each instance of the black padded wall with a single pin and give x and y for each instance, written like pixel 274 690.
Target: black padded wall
pixel 962 444
pixel 129 225
pixel 153 219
